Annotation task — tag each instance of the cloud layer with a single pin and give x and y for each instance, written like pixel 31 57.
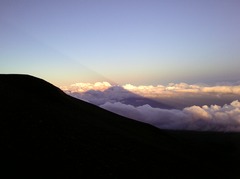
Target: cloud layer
pixel 154 91
pixel 186 91
pixel 205 118
pixel 201 115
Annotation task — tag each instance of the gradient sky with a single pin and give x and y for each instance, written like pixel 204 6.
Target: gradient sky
pixel 125 41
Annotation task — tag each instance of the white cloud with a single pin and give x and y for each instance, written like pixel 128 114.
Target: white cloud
pixel 178 89
pixel 155 91
pixel 213 118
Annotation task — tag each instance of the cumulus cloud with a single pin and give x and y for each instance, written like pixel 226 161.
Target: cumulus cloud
pixel 155 91
pixel 205 118
pixel 175 89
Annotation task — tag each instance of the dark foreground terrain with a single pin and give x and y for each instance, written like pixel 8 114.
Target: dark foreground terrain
pixel 45 133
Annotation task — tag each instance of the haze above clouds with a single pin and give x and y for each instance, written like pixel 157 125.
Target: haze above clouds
pixel 175 106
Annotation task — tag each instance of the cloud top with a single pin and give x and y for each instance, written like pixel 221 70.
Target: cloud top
pixel 175 89
pixel 169 90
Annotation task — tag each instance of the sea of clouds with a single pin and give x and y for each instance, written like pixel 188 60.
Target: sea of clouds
pixel 193 107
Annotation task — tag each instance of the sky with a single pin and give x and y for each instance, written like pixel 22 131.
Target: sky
pixel 141 42
pixel 170 63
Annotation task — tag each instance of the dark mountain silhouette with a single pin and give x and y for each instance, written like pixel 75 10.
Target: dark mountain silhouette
pixel 45 133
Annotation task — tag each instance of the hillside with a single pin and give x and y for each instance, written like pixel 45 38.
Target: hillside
pixel 46 133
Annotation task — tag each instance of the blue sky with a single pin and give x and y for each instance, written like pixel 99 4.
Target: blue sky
pixel 125 41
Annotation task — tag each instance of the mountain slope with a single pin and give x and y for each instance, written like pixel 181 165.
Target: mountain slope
pixel 45 132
